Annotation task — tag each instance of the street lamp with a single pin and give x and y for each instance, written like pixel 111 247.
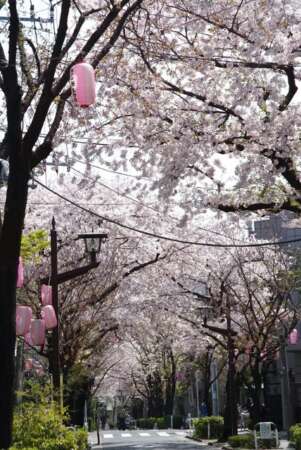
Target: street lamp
pixel 92 243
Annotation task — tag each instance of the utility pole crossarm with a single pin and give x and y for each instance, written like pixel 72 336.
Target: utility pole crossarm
pixel 70 274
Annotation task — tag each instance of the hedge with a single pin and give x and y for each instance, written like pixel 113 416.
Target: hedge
pixel 160 422
pixel 201 427
pixel 247 441
pixel 242 440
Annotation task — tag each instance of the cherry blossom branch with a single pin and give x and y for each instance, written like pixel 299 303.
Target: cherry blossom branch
pixel 46 98
pixel 24 63
pixel 46 148
pixel 134 269
pixel 217 24
pixel 292 88
pixel 176 89
pixel 294 206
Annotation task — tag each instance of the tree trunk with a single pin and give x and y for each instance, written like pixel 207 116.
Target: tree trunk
pixel 232 385
pixel 10 241
pixel 9 252
pixel 170 387
pixel 255 392
pixel 207 384
pixel 231 413
pixel 155 399
pixel 7 349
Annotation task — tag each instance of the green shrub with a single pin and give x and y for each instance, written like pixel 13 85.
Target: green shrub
pixel 266 443
pixel 40 425
pixel 201 427
pixel 81 437
pixel 161 422
pixel 147 423
pixel 293 429
pixel 295 435
pixel 247 441
pixel 23 448
pixel 242 440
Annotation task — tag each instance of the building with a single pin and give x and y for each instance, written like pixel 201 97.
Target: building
pixel 282 384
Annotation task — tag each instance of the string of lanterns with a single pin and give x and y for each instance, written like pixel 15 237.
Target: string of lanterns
pixel 34 329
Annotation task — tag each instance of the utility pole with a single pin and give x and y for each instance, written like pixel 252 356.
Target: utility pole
pixel 55 350
pixel 285 388
pixel 231 387
pixel 197 389
pixel 214 387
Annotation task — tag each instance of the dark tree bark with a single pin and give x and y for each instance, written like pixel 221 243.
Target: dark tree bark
pixel 232 385
pixel 11 231
pixel 170 387
pixel 155 397
pixel 23 155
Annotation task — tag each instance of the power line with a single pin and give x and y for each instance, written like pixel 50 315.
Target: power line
pixel 160 236
pixel 144 205
pixel 104 169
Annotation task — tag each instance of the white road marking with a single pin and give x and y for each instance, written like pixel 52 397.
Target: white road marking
pixel 181 433
pixel 126 435
pixel 162 433
pixel 107 436
pixel 144 434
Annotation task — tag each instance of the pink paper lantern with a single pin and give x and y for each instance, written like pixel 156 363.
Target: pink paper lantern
pixel 28 339
pixel 20 276
pixel 293 336
pixel 49 316
pixel 39 371
pixel 84 84
pixel 23 320
pixel 28 365
pixel 37 331
pixel 46 294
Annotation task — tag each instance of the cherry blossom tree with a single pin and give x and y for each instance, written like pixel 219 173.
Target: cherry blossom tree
pixel 247 312
pixel 157 352
pixel 35 82
pixel 235 300
pixel 201 96
pixel 89 306
pixel 212 109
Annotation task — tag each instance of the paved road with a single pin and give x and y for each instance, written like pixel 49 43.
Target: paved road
pixel 144 440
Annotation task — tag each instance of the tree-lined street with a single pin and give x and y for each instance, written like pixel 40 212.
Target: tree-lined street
pixel 149 222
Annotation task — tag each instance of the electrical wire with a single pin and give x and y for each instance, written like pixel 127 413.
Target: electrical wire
pixel 144 205
pixel 160 236
pixel 120 194
pixel 108 170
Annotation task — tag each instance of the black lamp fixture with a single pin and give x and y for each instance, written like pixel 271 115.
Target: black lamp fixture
pixel 92 242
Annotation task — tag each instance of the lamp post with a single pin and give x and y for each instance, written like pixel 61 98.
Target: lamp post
pixel 92 243
pixel 197 388
pixel 214 387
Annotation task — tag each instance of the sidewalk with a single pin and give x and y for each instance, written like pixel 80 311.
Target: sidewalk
pixel 284 443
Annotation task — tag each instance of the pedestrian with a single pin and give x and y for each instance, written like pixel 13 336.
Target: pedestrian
pixel 102 415
pixel 204 409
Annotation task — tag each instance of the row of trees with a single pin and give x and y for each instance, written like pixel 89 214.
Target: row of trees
pixel 242 321
pixel 184 89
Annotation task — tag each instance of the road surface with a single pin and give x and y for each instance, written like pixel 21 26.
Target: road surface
pixel 144 440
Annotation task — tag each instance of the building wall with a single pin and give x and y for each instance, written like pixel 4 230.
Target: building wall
pixel 279 227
